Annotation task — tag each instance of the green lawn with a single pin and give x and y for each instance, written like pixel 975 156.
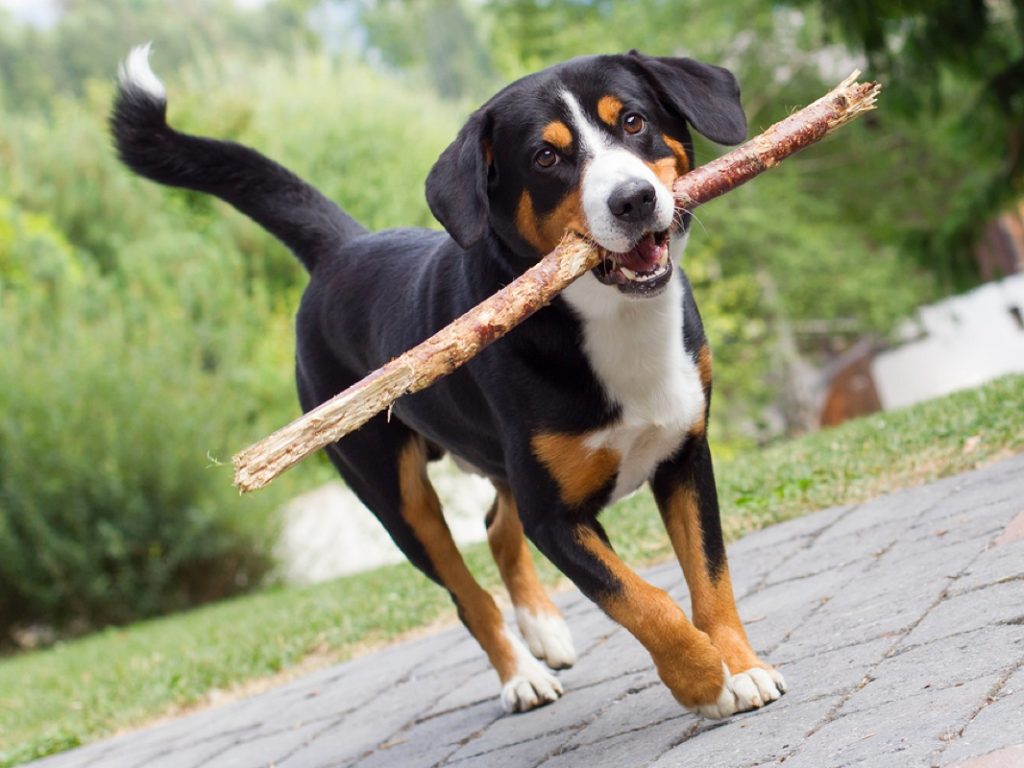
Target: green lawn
pixel 80 691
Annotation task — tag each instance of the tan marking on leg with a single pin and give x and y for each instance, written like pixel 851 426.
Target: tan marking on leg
pixel 512 556
pixel 421 509
pixel 713 605
pixel 579 470
pixel 608 109
pixel 685 658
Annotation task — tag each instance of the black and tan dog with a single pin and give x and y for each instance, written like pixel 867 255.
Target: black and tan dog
pixel 605 389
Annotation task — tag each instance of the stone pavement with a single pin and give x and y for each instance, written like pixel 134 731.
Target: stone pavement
pixel 899 625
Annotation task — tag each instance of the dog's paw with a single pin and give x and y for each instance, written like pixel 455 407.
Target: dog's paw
pixel 745 691
pixel 531 686
pixel 548 637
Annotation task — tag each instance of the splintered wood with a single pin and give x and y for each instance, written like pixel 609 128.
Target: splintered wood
pixel 462 339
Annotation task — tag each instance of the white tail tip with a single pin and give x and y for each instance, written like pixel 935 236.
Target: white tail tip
pixel 134 73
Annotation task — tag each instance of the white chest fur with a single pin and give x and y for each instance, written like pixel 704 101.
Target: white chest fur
pixel 636 349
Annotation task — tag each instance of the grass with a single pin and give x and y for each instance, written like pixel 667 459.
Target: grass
pixel 77 692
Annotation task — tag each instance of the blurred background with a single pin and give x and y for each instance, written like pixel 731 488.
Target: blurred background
pixel 146 334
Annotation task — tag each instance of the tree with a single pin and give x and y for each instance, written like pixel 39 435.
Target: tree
pixel 960 62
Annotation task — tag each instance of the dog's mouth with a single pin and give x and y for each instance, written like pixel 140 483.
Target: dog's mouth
pixel 643 271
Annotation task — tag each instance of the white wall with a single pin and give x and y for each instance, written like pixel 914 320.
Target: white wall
pixel 968 340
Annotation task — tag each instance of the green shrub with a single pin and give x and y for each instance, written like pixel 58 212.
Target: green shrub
pixel 115 392
pixel 146 330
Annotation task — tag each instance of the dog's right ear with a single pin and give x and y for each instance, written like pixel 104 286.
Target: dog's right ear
pixel 457 184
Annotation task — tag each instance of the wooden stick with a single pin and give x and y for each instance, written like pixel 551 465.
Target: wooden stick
pixel 459 341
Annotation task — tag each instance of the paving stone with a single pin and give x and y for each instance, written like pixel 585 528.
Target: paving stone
pixel 891 513
pixel 831 673
pixel 570 713
pixel 749 739
pixel 481 687
pixel 526 754
pixel 790 532
pixel 266 749
pixel 636 748
pixel 643 703
pixel 996 723
pixel 996 604
pixel 892 621
pixel 995 564
pixel 616 656
pixel 1004 757
pixel 435 739
pixel 905 733
pixel 750 569
pixel 864 611
pixel 373 723
pixel 944 663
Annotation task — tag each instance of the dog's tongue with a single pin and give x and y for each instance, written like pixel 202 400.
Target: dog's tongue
pixel 644 256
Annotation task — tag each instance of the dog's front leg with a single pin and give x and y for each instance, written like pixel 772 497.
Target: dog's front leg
pixel 686 659
pixel 684 487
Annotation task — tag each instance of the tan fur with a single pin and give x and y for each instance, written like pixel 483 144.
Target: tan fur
pixel 704 366
pixel 608 109
pixel 421 509
pixel 686 660
pixel 579 470
pixel 512 556
pixel 714 609
pixel 557 134
pixel 665 170
pixel 679 152
pixel 545 232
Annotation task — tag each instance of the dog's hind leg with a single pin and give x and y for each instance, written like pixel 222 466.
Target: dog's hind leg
pixel 540 622
pixel 385 465
pixel 525 683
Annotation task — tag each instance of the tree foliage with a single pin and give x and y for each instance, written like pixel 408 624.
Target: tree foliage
pixel 958 64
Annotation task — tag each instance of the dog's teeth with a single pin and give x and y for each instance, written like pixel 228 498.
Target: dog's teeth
pixel 628 273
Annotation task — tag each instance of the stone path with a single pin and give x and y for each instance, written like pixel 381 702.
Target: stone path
pixel 899 625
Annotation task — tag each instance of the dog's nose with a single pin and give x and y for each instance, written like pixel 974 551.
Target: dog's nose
pixel 632 200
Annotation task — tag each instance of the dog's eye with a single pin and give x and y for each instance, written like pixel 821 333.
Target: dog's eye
pixel 546 158
pixel 633 123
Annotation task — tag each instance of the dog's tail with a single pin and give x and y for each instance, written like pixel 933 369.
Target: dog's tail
pixel 275 198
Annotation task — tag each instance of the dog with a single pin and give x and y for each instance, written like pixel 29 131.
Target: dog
pixel 606 388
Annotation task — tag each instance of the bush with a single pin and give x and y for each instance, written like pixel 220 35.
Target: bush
pixel 146 330
pixel 114 392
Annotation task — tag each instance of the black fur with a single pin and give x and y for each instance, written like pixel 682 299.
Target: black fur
pixel 373 296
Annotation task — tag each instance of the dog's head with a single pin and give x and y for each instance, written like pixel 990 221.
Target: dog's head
pixel 592 146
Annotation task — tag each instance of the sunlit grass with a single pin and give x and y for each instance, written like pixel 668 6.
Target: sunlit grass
pixel 80 691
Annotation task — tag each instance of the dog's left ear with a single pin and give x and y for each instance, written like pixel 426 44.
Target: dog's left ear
pixel 706 96
pixel 457 184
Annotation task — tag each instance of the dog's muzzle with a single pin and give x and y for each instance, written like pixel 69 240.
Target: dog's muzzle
pixel 643 271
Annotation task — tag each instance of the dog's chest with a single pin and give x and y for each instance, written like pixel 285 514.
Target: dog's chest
pixel 638 353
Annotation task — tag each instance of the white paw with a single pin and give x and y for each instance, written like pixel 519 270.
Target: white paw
pixel 531 686
pixel 548 637
pixel 745 691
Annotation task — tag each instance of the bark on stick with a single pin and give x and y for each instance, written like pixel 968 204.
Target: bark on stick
pixel 462 339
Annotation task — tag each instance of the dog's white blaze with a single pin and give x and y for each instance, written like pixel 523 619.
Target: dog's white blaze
pixel 636 348
pixel 608 166
pixel 136 73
